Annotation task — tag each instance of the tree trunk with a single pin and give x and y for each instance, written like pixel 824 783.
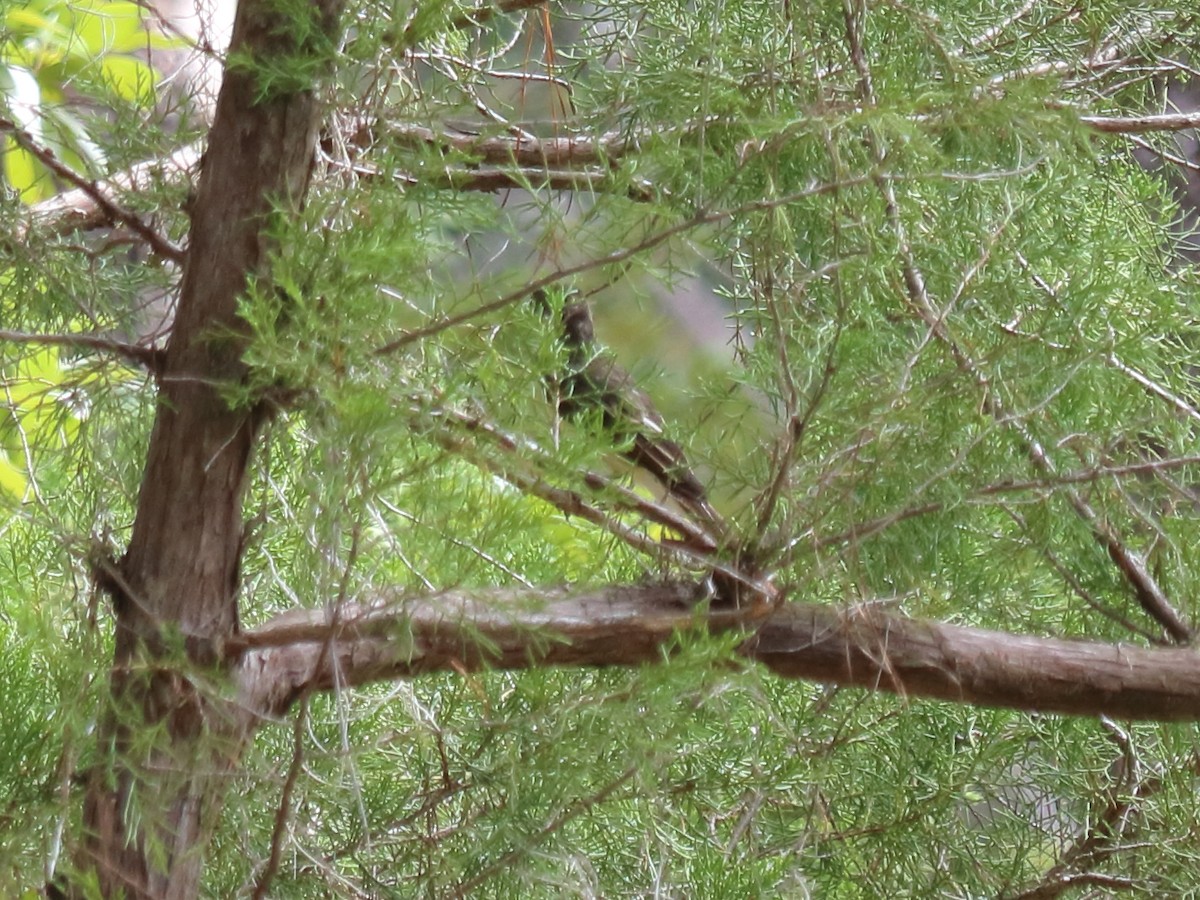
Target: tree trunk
pixel 167 742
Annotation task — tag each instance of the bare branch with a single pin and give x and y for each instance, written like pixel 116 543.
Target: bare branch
pixel 544 152
pixel 1142 124
pixel 81 209
pixel 1154 388
pixel 101 200
pixel 568 502
pixel 150 357
pixel 862 646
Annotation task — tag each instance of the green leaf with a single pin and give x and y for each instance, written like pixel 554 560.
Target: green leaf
pixel 13 482
pixel 107 28
pixel 22 171
pixel 130 79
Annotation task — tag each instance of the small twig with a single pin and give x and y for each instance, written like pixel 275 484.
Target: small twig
pixel 1173 158
pixel 626 498
pixel 568 502
pixel 482 69
pixel 285 802
pixel 1154 388
pixel 989 35
pixel 797 426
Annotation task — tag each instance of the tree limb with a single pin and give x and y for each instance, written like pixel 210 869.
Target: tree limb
pixel 541 152
pixel 860 646
pixel 149 357
pixel 1142 124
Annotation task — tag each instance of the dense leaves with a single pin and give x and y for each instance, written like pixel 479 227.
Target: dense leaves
pixel 952 324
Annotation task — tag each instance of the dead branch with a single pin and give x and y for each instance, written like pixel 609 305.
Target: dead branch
pixel 539 152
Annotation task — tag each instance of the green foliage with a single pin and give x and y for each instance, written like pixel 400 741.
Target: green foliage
pixel 50 50
pixel 48 672
pixel 1041 251
pixel 808 201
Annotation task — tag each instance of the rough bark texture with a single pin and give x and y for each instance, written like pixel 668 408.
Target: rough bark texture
pixel 149 808
pixel 862 646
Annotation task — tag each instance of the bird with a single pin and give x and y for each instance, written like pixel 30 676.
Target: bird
pixel 593 381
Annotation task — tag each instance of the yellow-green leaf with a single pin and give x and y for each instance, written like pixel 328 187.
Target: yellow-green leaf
pixel 13 482
pixel 130 79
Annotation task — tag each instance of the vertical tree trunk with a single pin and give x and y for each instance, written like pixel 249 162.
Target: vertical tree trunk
pixel 166 744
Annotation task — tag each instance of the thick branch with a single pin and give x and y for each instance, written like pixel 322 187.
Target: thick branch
pixel 862 646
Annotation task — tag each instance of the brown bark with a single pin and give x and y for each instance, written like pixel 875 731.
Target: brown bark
pixel 862 646
pixel 149 808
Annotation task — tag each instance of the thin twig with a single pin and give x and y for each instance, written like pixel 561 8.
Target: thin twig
pixel 283 811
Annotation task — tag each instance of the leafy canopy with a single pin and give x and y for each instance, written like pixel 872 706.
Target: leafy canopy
pixel 922 254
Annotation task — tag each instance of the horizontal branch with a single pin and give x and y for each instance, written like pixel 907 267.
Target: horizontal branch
pixel 860 646
pixel 149 357
pixel 542 152
pixel 500 178
pixel 544 162
pixel 1142 124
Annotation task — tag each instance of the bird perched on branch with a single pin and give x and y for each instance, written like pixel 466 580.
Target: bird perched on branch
pixel 594 381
